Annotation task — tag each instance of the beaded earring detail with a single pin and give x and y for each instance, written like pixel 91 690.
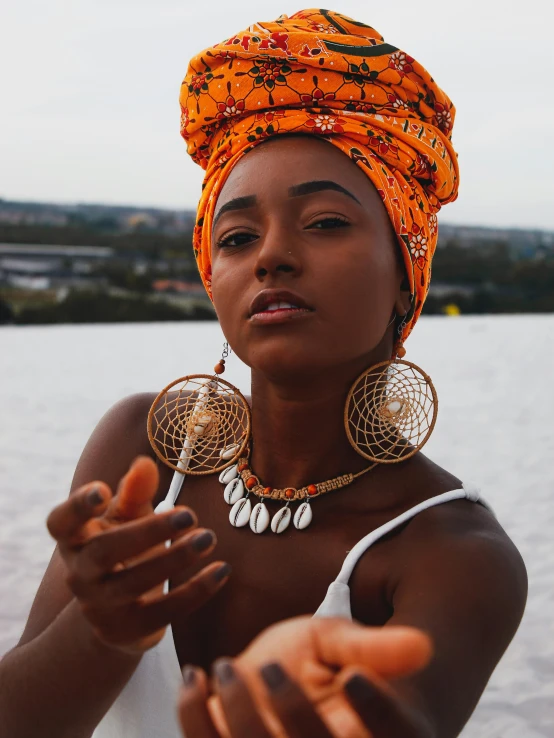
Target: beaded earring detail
pixel 391 409
pixel 199 423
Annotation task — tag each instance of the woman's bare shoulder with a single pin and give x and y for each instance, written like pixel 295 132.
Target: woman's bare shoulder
pixel 120 436
pixel 464 529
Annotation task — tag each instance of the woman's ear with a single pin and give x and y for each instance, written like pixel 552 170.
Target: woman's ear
pixel 403 300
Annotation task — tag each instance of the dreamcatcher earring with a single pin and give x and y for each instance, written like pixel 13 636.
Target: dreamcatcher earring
pixel 198 424
pixel 391 409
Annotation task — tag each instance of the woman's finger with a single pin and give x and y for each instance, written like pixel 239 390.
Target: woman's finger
pixel 66 521
pixel 194 715
pixel 101 553
pixel 390 651
pixel 239 708
pixel 135 492
pixel 127 625
pixel 381 712
pixel 291 706
pixel 129 584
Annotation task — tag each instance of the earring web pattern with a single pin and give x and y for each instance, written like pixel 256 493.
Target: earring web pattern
pixel 202 414
pixel 391 411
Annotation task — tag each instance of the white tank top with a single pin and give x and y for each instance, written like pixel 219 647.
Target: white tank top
pixel 147 705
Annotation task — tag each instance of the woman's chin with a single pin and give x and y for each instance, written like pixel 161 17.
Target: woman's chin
pixel 285 370
pixel 294 359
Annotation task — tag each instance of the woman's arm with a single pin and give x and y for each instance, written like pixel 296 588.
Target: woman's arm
pixel 464 583
pixel 77 652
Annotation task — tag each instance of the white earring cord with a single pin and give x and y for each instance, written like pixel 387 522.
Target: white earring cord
pixel 186 453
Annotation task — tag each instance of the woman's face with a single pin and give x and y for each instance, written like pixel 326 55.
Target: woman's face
pixel 298 224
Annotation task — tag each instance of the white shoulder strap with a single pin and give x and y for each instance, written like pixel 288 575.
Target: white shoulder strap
pixel 337 600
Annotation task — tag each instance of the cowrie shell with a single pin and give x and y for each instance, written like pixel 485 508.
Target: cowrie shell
pixel 229 452
pixel 202 422
pixel 240 513
pixel 228 474
pixel 281 519
pixel 303 516
pixel 259 519
pixel 394 407
pixel 234 491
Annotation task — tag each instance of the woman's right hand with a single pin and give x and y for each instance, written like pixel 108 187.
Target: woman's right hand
pixel 114 548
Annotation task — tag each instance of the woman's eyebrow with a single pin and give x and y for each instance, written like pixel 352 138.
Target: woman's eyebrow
pixel 238 203
pixel 307 188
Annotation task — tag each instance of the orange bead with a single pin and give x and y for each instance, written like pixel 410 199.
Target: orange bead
pixel 219 368
pixel 289 493
pixel 267 491
pixel 312 489
pixel 242 467
pixel 401 352
pixel 251 482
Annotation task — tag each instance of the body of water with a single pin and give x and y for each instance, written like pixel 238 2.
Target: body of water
pixel 496 404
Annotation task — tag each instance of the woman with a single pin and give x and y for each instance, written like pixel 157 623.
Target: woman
pixel 327 156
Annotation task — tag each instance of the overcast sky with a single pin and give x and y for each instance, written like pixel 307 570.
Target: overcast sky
pixel 89 96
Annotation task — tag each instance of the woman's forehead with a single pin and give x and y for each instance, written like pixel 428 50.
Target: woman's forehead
pixel 286 161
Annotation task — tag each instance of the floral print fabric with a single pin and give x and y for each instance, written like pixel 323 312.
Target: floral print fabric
pixel 322 73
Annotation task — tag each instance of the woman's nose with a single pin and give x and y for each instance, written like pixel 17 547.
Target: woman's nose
pixel 276 255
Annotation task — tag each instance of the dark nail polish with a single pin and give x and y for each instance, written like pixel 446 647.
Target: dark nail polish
pixel 202 541
pixel 222 573
pixel 273 676
pixel 94 497
pixel 189 675
pixel 182 520
pixel 224 672
pixel 359 689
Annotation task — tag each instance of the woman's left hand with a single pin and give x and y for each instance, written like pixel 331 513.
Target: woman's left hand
pixel 364 709
pixel 345 671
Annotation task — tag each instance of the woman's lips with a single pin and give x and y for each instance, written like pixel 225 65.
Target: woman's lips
pixel 279 314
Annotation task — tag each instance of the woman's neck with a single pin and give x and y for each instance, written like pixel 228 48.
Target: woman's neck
pixel 298 431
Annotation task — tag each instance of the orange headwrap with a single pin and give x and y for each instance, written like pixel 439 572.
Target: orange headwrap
pixel 320 72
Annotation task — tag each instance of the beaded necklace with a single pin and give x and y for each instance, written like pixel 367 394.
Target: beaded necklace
pixel 240 482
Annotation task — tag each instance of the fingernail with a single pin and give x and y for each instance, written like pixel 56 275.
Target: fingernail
pixel 360 689
pixel 202 541
pixel 181 520
pixel 273 676
pixel 223 572
pixel 94 497
pixel 189 675
pixel 224 671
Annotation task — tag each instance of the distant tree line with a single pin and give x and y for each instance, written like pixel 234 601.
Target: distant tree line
pixel 91 307
pixel 491 280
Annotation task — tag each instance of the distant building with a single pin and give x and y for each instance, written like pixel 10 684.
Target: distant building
pixel 38 267
pixel 178 287
pixel 108 217
pixel 522 243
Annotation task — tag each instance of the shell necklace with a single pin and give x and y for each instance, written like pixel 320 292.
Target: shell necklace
pixel 240 482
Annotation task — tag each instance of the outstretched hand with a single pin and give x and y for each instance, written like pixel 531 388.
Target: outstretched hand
pixel 339 689
pixel 114 548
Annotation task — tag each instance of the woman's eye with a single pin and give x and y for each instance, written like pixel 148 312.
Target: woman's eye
pixel 235 240
pixel 331 222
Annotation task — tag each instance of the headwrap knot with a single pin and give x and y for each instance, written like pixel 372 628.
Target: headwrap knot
pixel 319 72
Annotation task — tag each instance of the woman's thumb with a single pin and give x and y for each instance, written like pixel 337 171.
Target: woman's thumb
pixel 389 651
pixel 136 490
